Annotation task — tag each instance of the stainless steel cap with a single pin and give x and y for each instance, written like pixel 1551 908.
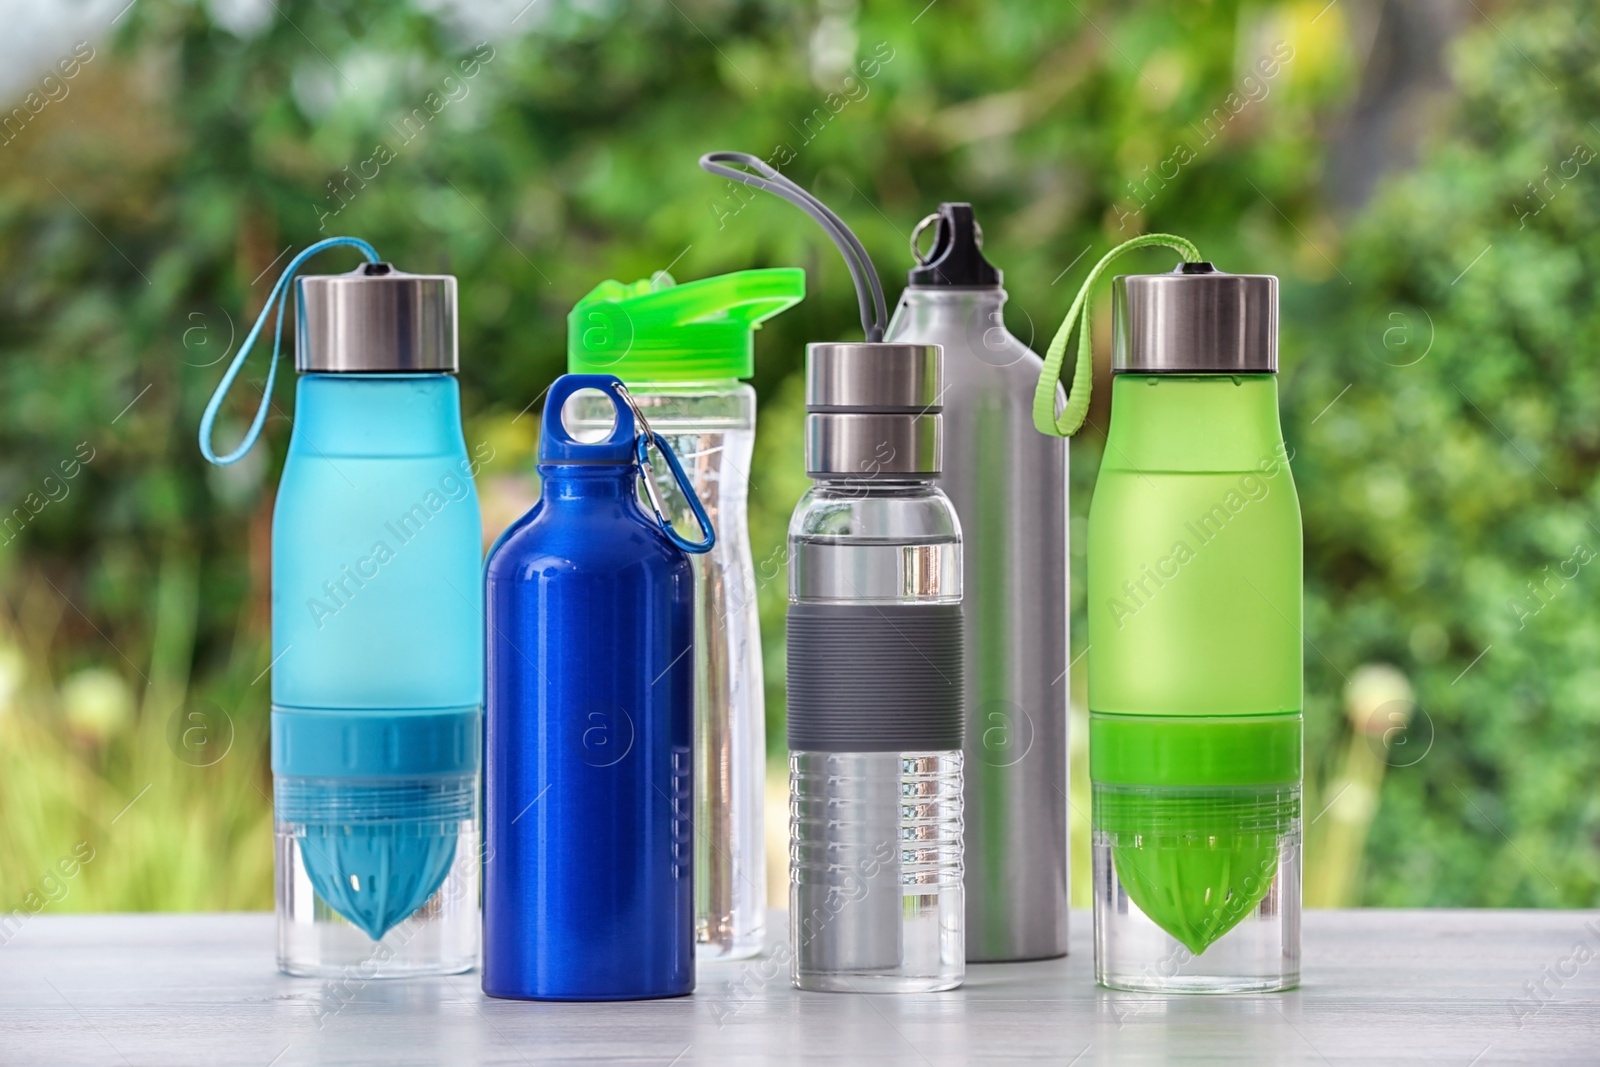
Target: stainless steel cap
pixel 872 410
pixel 376 319
pixel 879 377
pixel 1195 320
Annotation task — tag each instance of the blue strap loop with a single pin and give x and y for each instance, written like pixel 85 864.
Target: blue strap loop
pixel 278 296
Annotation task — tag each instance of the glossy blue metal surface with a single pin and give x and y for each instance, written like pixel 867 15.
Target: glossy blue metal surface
pixel 588 865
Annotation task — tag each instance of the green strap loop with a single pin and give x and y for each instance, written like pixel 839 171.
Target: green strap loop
pixel 1077 406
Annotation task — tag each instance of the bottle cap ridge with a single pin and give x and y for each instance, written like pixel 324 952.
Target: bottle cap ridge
pixel 376 320
pixel 1194 320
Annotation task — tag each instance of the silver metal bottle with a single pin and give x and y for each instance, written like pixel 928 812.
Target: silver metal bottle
pixel 1009 486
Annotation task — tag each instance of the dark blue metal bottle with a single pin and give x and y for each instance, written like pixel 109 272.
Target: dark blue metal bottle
pixel 588 872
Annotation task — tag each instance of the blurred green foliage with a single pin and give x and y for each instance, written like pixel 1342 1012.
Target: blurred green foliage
pixel 1450 495
pixel 142 220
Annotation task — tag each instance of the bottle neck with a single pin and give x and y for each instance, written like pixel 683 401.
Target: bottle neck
pixel 1193 423
pixel 901 485
pixel 899 481
pixel 692 387
pixel 589 481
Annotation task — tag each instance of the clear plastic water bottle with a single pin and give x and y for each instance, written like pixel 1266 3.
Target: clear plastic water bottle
pixel 683 351
pixel 875 696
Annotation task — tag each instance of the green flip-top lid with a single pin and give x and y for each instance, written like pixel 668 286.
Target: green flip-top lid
pixel 659 331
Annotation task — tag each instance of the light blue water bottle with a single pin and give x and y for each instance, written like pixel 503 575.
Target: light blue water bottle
pixel 377 628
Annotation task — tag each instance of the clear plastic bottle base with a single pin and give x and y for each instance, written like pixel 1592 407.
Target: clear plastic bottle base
pixel 875 894
pixel 315 941
pixel 741 948
pixel 1257 952
pixel 930 927
pixel 872 982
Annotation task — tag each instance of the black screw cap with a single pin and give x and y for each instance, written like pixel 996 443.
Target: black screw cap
pixel 956 258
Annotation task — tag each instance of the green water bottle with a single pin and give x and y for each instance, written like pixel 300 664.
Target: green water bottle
pixel 1194 630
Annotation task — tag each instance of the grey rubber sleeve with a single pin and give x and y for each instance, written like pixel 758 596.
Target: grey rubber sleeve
pixel 875 678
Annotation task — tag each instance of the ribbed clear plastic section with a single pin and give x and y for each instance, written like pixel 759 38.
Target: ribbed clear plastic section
pixel 367 802
pixel 875 894
pixel 1197 890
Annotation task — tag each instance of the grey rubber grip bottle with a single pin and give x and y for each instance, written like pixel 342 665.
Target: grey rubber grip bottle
pixel 875 696
pixel 1009 485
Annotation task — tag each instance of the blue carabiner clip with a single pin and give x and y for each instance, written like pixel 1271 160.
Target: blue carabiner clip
pixel 641 449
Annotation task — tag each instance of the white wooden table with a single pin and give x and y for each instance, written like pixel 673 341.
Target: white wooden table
pixel 1412 987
